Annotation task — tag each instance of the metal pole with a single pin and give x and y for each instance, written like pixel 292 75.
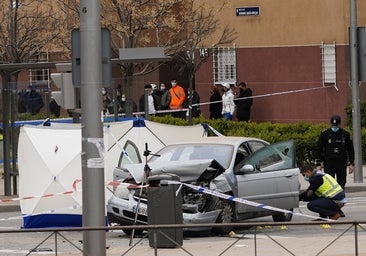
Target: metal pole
pixel 14 133
pixel 146 103
pixel 92 128
pixel 356 116
pixel 115 105
pixel 6 133
pixel 356 238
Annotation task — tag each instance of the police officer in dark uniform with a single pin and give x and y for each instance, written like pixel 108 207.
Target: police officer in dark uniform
pixel 335 150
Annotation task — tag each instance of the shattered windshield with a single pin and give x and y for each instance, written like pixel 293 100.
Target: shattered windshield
pixel 183 152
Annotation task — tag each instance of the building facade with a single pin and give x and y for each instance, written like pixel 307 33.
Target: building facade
pixel 293 54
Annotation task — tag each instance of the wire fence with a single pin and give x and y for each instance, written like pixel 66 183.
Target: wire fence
pixel 254 238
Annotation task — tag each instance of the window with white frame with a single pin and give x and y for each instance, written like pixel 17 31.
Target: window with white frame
pixel 224 65
pixel 329 64
pixel 39 76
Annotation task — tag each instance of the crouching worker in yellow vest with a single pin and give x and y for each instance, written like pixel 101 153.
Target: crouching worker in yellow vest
pixel 324 194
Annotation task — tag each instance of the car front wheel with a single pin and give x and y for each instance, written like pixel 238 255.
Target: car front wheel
pixel 281 216
pixel 226 216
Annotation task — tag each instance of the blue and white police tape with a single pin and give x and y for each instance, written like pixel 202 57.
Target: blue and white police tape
pixel 244 201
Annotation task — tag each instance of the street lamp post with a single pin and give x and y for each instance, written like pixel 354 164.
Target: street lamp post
pixel 92 128
pixel 356 116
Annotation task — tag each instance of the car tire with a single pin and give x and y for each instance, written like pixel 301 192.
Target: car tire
pixel 281 216
pixel 226 216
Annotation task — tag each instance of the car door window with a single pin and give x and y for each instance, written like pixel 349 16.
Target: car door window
pixel 129 155
pixel 256 145
pixel 277 156
pixel 241 154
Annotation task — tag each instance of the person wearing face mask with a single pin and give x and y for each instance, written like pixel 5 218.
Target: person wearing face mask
pixel 151 102
pixel 324 194
pixel 122 105
pixel 177 97
pixel 165 97
pixel 335 150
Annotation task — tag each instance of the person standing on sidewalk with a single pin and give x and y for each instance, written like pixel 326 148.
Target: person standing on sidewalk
pixel 335 150
pixel 151 102
pixel 324 194
pixel 244 102
pixel 165 98
pixel 215 103
pixel 228 105
pixel 177 97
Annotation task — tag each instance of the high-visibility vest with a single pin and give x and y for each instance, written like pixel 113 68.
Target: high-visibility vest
pixel 329 188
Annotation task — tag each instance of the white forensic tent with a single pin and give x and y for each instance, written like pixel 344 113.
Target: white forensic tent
pixel 49 161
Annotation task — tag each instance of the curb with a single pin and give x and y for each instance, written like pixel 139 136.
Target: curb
pixel 9 208
pixel 353 189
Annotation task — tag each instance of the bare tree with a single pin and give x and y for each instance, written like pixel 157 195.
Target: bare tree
pixel 140 23
pixel 133 24
pixel 26 29
pixel 200 23
pixel 177 25
pixel 68 18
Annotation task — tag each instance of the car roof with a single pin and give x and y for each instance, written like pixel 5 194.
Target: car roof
pixel 231 140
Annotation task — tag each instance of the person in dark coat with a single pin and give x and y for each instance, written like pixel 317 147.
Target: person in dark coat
pixel 22 102
pixel 195 102
pixel 335 150
pixel 34 101
pixel 243 102
pixel 165 96
pixel 215 103
pixel 54 108
pixel 151 100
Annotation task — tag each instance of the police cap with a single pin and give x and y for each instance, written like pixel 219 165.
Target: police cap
pixel 335 120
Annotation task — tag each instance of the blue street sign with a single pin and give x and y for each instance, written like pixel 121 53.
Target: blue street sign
pixel 247 11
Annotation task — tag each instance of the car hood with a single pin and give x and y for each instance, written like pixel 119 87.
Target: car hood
pixel 187 171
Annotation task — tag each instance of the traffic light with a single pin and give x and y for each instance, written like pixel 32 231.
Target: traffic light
pixel 66 96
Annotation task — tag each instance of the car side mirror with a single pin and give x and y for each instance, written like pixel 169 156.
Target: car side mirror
pixel 248 168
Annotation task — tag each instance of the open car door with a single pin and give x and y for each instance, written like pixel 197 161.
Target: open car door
pixel 274 180
pixel 129 155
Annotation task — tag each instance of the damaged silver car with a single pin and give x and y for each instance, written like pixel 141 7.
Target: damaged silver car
pixel 247 168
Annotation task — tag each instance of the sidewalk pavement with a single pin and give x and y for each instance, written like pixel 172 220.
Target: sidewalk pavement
pixel 11 203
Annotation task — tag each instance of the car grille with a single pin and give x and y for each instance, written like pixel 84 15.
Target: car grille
pixel 143 198
pixel 115 209
pixel 131 215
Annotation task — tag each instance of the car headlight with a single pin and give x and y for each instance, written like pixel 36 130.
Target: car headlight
pixel 122 191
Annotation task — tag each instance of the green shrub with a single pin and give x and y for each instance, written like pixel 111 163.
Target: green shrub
pixel 362 114
pixel 305 134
